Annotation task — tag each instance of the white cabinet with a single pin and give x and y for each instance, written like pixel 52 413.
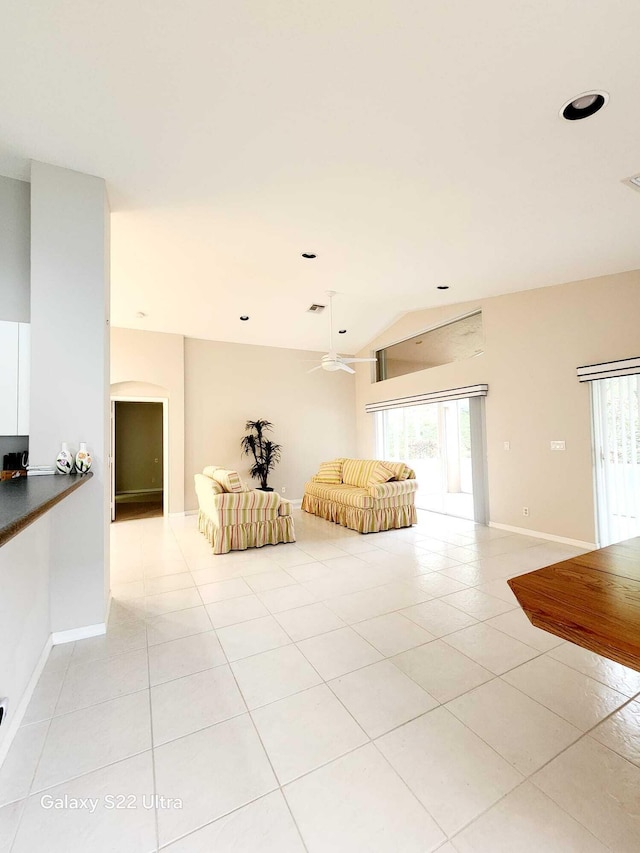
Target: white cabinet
pixel 24 372
pixel 14 378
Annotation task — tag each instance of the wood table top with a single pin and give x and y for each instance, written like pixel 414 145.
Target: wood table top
pixel 592 600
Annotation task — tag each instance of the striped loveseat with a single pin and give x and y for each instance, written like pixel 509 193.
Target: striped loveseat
pixel 367 495
pixel 234 517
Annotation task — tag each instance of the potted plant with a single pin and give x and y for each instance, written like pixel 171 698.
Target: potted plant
pixel 265 452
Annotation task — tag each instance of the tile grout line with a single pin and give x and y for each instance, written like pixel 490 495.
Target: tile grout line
pixel 26 797
pixel 495 675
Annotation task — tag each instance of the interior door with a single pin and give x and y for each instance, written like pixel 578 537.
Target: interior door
pixel 112 460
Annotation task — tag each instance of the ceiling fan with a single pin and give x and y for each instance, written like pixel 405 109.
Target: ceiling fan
pixel 332 361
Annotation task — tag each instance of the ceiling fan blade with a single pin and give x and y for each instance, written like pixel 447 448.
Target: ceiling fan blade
pixel 344 367
pixel 353 360
pixel 319 367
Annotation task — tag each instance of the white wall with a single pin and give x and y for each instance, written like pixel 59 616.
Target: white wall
pixel 69 376
pixel 534 341
pixel 227 384
pixel 14 250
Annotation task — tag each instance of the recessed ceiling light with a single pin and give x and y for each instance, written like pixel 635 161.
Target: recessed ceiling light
pixel 584 105
pixel 141 315
pixel 244 317
pixel 443 287
pixel 342 331
pixel 308 255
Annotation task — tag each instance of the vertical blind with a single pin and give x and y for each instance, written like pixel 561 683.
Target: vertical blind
pixel 616 404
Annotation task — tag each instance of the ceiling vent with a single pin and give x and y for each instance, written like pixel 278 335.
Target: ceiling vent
pixel 633 182
pixel 316 309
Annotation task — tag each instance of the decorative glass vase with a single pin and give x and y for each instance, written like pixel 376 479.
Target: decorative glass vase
pixel 65 460
pixel 83 459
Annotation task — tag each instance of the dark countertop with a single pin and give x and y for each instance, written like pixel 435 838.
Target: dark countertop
pixel 26 498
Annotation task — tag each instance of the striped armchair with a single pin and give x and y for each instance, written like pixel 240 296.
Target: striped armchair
pixel 234 517
pixel 367 495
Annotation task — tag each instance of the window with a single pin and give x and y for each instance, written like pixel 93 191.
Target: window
pixel 453 341
pixel 434 440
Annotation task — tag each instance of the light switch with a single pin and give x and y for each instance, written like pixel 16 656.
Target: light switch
pixel 558 445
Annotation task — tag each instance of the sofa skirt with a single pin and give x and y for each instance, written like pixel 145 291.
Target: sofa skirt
pixel 362 520
pixel 254 534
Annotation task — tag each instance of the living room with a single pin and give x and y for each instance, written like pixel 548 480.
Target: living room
pixel 200 208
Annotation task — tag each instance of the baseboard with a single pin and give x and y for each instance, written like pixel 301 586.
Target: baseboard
pixel 577 543
pixel 128 492
pixel 59 637
pixel 296 503
pixel 16 720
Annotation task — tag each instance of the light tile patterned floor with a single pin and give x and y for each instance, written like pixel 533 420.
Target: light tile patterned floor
pixel 344 693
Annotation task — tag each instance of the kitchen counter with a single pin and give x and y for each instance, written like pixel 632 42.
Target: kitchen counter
pixel 26 498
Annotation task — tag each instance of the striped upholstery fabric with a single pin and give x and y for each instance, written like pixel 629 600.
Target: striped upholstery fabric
pixel 209 470
pixel 380 474
pixel 239 520
pixel 386 490
pixel 365 502
pixel 356 472
pixel 400 470
pixel 330 472
pixel 347 495
pixel 214 486
pixel 251 500
pixel 285 507
pixel 229 480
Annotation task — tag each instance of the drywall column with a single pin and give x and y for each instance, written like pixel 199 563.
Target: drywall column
pixel 69 378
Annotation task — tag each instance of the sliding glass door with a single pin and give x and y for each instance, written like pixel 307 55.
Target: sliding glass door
pixel 616 421
pixel 435 440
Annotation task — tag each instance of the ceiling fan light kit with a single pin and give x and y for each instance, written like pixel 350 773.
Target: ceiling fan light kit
pixel 332 361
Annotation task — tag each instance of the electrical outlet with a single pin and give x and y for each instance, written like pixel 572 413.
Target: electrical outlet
pixel 525 511
pixel 283 489
pixel 507 445
pixel 558 445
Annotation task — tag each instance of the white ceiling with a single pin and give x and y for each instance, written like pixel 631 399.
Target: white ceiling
pixel 406 143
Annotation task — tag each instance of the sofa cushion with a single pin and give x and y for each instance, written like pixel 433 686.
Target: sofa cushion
pixel 400 470
pixel 229 480
pixel 380 474
pixel 208 471
pixel 347 495
pixel 356 472
pixel 215 487
pixel 329 473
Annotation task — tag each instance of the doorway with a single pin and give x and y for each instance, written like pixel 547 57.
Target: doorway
pixel 443 443
pixel 616 429
pixel 138 479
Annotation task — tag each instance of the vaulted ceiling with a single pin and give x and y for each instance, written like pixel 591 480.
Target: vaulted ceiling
pixel 407 144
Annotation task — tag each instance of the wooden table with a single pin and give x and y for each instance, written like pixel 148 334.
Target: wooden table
pixel 592 600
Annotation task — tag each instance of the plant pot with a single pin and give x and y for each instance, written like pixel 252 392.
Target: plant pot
pixel 265 489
